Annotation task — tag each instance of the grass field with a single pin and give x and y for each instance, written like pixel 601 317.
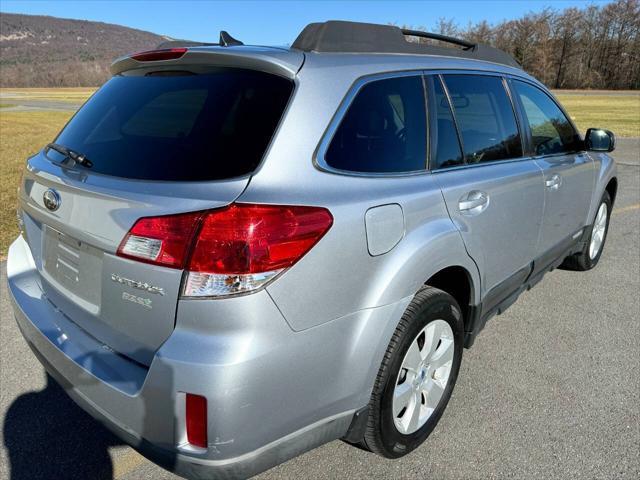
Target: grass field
pixel 23 133
pixel 620 114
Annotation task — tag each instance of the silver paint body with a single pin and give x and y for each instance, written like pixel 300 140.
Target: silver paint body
pixel 283 369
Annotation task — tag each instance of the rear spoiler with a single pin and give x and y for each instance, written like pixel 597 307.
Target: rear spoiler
pixel 285 63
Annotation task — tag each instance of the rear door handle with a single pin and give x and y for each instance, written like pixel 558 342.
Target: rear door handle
pixel 554 182
pixel 473 203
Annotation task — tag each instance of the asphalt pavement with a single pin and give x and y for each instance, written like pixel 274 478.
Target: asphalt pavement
pixel 21 103
pixel 551 389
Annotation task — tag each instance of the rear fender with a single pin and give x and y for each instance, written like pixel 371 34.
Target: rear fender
pixel 408 267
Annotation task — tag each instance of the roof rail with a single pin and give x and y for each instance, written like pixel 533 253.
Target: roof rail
pixel 437 36
pixel 353 37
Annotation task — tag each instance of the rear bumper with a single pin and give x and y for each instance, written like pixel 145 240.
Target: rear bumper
pixel 272 393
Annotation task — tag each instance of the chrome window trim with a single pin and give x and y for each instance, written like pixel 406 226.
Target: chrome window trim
pixel 319 160
pixel 483 164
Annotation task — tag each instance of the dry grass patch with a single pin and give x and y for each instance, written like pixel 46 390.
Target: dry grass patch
pixel 618 113
pixel 21 135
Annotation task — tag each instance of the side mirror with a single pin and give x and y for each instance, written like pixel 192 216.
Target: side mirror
pixel 599 140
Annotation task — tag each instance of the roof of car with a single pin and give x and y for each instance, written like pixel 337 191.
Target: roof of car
pixel 369 48
pixel 354 37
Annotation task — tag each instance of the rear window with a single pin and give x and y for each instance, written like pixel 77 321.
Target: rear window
pixel 179 127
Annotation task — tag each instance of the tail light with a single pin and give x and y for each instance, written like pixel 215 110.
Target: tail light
pixel 236 249
pixel 161 240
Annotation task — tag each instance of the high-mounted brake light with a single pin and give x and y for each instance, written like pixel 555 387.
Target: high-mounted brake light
pixel 163 54
pixel 235 249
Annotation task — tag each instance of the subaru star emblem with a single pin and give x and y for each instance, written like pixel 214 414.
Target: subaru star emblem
pixel 51 199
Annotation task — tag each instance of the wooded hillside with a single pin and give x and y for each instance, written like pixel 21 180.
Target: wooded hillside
pixel 39 51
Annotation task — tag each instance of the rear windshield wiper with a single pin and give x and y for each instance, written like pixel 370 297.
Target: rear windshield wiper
pixel 71 154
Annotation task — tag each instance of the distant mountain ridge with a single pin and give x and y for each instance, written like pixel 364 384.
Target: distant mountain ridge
pixel 43 51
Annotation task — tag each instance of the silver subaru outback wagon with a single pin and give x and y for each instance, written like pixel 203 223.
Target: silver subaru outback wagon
pixel 232 254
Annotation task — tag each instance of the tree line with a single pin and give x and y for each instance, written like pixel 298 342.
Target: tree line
pixel 596 47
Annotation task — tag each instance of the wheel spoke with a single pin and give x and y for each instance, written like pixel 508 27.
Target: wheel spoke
pixel 443 355
pixel 402 397
pixel 433 393
pixel 432 336
pixel 414 421
pixel 413 357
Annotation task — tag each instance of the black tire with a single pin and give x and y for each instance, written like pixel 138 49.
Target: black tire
pixel 582 261
pixel 381 435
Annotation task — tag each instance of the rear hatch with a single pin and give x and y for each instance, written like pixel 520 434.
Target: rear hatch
pixel 161 141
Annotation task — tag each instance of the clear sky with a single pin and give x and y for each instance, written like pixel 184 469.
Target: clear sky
pixel 276 22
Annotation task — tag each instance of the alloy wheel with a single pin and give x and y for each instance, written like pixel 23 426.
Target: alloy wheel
pixel 423 377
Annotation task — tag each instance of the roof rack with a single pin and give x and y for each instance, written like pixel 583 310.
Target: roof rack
pixel 437 36
pixel 354 37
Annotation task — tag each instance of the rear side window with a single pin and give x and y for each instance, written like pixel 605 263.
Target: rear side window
pixel 485 117
pixel 384 129
pixel 180 128
pixel 551 132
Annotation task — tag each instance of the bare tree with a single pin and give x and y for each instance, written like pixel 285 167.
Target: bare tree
pixel 592 47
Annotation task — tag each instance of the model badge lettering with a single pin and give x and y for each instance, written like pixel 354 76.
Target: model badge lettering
pixel 145 302
pixel 137 284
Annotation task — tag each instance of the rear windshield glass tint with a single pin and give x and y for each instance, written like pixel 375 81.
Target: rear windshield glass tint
pixel 179 128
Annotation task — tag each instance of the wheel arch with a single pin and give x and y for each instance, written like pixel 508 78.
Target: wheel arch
pixel 457 282
pixel 606 181
pixel 612 189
